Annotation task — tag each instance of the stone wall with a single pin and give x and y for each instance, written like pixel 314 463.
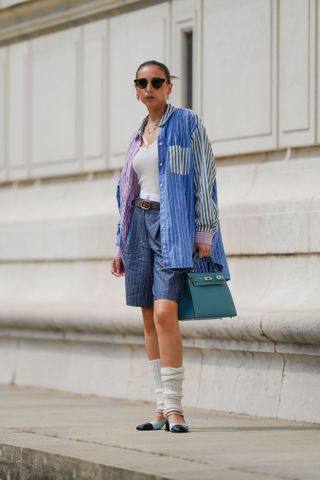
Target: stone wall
pixel 67 109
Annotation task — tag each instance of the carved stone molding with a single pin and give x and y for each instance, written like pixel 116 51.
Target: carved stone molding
pixel 36 17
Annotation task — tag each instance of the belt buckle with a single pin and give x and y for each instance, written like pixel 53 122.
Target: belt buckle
pixel 145 205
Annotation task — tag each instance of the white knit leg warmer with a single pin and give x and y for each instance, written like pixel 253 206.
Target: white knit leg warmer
pixel 172 389
pixel 156 371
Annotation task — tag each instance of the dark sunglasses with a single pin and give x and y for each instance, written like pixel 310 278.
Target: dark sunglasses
pixel 142 83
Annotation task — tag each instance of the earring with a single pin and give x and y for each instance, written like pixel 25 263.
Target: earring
pixel 137 96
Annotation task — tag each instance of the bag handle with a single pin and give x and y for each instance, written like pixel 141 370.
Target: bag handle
pixel 208 260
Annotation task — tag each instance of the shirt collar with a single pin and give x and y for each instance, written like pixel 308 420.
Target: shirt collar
pixel 165 117
pixel 167 114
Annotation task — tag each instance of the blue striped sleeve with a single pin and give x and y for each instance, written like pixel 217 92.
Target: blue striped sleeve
pixel 206 210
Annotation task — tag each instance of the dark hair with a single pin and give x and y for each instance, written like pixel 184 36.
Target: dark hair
pixel 163 67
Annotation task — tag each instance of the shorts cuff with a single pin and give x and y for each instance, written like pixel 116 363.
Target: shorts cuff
pixel 163 297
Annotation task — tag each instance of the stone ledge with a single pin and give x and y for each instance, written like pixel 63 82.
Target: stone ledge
pixel 295 332
pixel 76 219
pixel 230 365
pixel 21 462
pixel 284 216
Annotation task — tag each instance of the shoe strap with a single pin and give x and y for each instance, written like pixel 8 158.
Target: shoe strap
pixel 174 412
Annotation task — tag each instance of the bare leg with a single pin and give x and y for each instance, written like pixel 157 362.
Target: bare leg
pixel 168 330
pixel 150 334
pixel 169 338
pixel 151 342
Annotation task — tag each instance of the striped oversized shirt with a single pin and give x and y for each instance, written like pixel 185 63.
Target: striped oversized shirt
pixel 188 191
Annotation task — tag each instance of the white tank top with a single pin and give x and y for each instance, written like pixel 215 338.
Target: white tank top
pixel 145 164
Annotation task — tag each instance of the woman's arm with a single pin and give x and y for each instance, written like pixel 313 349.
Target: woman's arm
pixel 117 247
pixel 117 266
pixel 206 211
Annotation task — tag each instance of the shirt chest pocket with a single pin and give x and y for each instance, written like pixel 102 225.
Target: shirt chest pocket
pixel 179 159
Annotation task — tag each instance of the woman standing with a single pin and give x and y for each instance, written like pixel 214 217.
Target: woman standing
pixel 167 200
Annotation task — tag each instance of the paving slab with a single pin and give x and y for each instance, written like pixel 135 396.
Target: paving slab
pixel 46 434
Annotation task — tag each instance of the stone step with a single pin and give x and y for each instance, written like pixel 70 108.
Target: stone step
pixel 58 436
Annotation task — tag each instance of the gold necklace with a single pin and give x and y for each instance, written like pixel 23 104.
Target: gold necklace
pixel 154 127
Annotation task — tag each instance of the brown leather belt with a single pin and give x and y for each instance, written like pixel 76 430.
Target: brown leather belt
pixel 146 204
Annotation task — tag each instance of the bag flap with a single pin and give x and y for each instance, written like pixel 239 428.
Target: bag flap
pixel 203 279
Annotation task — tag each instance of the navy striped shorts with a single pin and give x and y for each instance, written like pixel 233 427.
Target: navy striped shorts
pixel 145 278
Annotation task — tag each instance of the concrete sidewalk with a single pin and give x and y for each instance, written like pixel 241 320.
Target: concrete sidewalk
pixel 48 435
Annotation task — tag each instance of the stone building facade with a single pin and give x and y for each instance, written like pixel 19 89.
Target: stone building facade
pixel 250 68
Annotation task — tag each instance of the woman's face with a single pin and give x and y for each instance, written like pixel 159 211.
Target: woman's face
pixel 150 96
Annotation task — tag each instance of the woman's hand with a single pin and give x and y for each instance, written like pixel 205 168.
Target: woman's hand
pixel 204 249
pixel 117 267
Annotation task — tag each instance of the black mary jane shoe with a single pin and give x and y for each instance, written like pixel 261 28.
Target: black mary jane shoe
pixel 177 427
pixel 152 425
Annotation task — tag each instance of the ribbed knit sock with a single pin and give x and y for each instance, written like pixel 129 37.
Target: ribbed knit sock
pixel 172 379
pixel 156 372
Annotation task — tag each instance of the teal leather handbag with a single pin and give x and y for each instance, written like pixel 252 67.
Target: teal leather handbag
pixel 205 295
